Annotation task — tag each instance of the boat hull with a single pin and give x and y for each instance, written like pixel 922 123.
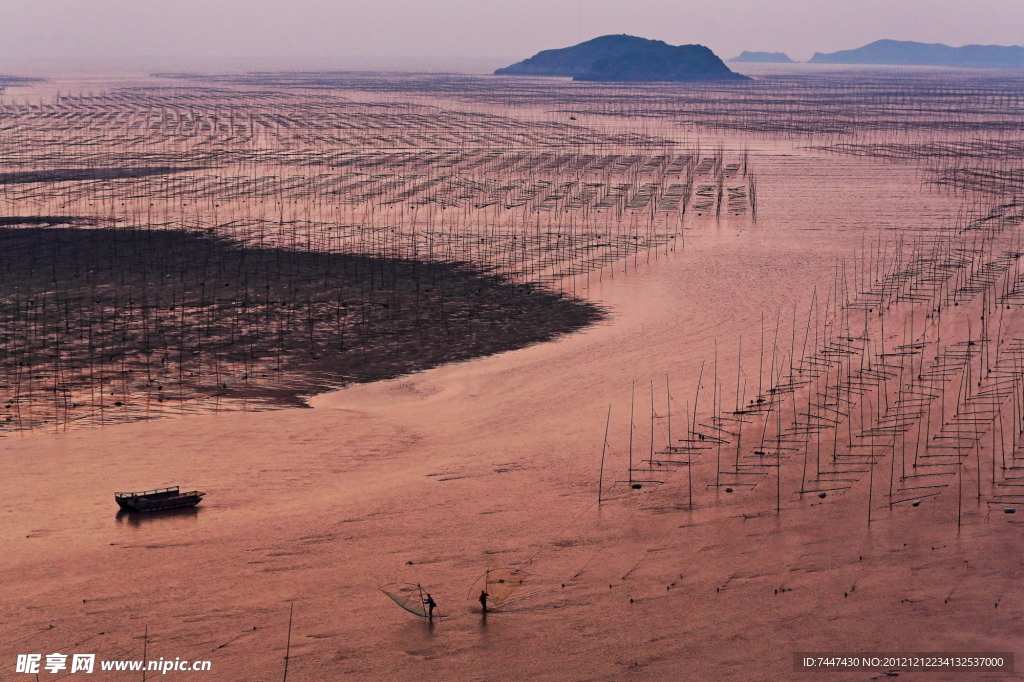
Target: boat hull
pixel 158 500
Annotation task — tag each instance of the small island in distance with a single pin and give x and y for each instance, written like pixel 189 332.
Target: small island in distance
pixel 910 53
pixel 763 57
pixel 625 58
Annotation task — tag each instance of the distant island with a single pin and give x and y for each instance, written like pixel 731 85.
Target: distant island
pixel 624 58
pixel 909 53
pixel 763 58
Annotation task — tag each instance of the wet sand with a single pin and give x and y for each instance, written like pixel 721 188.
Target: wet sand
pixel 435 477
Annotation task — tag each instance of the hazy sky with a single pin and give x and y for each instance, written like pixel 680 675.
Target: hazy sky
pixel 61 29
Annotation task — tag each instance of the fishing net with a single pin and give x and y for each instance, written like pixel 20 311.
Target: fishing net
pixel 407 595
pixel 500 583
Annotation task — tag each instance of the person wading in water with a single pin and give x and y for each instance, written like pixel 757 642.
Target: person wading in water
pixel 431 605
pixel 483 601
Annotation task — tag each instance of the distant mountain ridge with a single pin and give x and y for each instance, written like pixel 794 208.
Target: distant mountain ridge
pixel 910 53
pixel 763 58
pixel 625 58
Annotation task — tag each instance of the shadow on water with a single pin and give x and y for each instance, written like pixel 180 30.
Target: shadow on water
pixel 169 516
pixel 417 632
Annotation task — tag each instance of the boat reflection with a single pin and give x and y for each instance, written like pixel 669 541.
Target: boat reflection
pixel 137 519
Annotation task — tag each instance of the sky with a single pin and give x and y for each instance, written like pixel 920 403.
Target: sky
pixel 430 30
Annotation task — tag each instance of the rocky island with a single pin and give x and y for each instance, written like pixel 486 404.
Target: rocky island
pixel 625 58
pixel 763 57
pixel 910 53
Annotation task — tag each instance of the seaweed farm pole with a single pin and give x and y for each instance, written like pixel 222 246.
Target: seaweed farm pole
pixel 288 645
pixel 959 494
pixel 977 460
pixel 714 411
pixel 760 361
pixel 692 432
pixel 778 477
pixel 689 464
pixel 604 448
pixel 696 397
pixel 668 411
pixel 871 481
pixel 650 459
pixel 739 373
pixel 632 398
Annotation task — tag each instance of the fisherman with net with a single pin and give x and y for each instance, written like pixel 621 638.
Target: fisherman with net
pixel 498 585
pixel 412 598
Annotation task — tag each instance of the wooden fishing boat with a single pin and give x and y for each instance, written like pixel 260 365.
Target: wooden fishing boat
pixel 158 500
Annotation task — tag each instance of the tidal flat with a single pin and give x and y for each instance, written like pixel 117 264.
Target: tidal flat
pixel 727 371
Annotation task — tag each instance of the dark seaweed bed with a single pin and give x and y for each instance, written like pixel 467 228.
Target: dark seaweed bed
pixel 114 324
